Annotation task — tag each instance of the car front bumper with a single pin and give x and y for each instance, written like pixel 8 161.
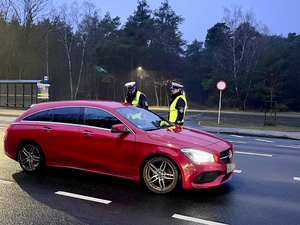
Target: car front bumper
pixel 207 175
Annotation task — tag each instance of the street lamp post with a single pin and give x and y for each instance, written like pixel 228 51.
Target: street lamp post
pixel 139 70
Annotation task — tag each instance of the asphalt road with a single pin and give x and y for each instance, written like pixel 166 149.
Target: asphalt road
pixel 264 190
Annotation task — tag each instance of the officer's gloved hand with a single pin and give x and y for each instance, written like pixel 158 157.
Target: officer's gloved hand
pixel 178 122
pixel 145 104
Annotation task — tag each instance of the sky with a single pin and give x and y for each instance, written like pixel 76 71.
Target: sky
pixel 280 16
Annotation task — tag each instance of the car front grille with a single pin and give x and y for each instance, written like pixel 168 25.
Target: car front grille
pixel 226 156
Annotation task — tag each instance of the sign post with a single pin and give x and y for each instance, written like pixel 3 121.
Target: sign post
pixel 221 85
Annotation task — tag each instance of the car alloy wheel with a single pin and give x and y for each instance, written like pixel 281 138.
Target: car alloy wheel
pixel 30 157
pixel 160 175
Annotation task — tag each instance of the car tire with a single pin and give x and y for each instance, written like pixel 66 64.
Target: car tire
pixel 160 175
pixel 31 157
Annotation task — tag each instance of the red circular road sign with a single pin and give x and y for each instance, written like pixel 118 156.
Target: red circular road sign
pixel 221 85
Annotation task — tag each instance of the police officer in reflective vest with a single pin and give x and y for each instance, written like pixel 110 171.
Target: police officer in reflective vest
pixel 178 104
pixel 134 96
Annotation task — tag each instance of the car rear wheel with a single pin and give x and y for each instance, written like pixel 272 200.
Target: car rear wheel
pixel 160 175
pixel 30 157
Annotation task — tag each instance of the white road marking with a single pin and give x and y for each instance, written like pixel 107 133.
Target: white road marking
pixel 264 140
pixel 240 142
pixel 5 182
pixel 83 197
pixel 233 135
pixel 192 219
pixel 288 146
pixel 237 171
pixel 249 153
pixel 297 178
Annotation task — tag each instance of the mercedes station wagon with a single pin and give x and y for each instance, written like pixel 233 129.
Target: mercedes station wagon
pixel 121 140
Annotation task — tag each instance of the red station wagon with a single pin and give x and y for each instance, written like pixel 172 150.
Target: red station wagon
pixel 121 140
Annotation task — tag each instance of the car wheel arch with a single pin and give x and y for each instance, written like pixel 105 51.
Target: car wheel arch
pixel 159 155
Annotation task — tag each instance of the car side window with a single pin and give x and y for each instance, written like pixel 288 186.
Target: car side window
pixel 48 115
pixel 36 116
pixel 66 115
pixel 99 118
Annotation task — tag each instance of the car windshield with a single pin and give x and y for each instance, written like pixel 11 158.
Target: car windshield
pixel 143 119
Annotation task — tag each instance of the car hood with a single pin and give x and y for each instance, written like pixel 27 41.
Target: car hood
pixel 184 136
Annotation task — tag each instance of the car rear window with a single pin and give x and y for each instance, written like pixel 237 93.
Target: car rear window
pixel 58 115
pixel 36 116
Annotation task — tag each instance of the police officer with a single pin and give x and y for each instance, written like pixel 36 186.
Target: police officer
pixel 134 96
pixel 178 104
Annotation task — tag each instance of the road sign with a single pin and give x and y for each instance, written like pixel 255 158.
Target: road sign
pixel 221 85
pixel 45 79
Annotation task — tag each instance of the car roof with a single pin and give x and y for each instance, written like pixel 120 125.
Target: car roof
pixel 95 103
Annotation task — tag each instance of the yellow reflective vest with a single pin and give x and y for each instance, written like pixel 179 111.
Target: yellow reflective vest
pixel 174 112
pixel 135 101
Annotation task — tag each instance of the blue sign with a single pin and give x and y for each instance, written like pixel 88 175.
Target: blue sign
pixel 45 79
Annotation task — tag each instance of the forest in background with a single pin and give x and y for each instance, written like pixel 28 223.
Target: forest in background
pixel 88 56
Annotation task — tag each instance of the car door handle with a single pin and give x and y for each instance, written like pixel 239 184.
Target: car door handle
pixel 89 133
pixel 47 129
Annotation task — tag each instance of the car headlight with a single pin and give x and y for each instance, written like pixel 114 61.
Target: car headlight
pixel 198 156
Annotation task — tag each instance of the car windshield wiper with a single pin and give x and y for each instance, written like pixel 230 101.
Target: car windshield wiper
pixel 156 123
pixel 151 129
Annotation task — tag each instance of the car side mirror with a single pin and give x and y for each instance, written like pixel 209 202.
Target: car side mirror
pixel 119 128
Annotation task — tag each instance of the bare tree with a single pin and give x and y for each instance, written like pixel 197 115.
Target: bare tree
pixel 87 24
pixel 46 29
pixel 5 40
pixel 64 29
pixel 242 48
pixel 159 83
pixel 26 12
pixel 82 20
pixel 6 9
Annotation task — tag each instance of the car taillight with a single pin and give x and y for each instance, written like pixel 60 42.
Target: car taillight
pixel 7 129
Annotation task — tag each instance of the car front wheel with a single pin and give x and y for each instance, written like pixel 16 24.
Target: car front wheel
pixel 30 157
pixel 160 175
